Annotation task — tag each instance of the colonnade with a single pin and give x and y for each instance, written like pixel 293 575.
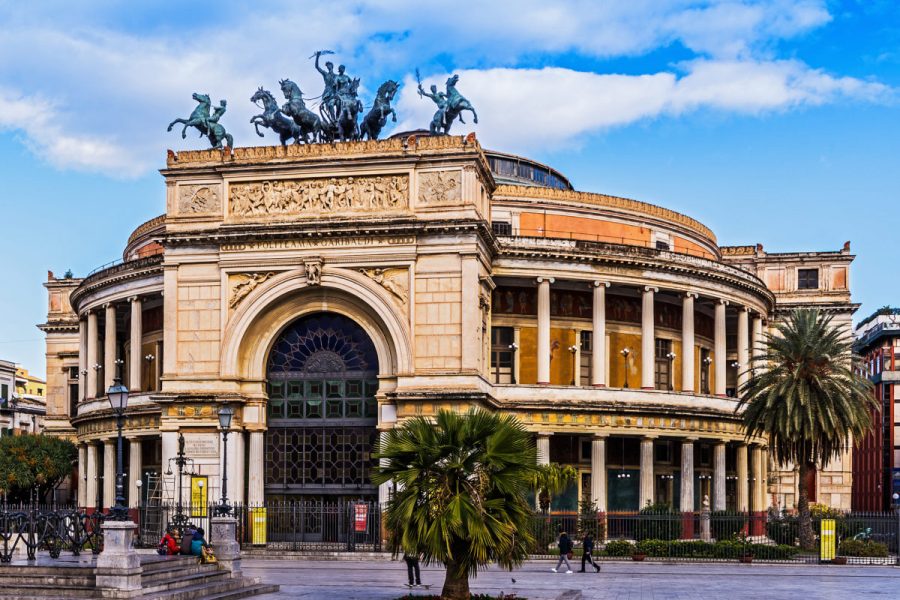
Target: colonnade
pixel 90 477
pixel 750 472
pixel 90 341
pixel 746 346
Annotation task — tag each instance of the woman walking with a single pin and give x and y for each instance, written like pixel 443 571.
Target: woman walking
pixel 565 550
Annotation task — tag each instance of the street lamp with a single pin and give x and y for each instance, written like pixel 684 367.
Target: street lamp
pixel 179 520
pixel 574 350
pixel 671 356
pixel 225 415
pixel 512 350
pixel 118 401
pixel 625 353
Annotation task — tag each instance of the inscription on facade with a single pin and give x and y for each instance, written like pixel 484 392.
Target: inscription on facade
pixel 440 187
pixel 200 445
pixel 199 199
pixel 317 243
pixel 306 197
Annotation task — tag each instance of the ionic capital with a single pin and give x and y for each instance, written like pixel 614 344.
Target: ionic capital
pixel 693 295
pixel 134 299
pixel 547 279
pixel 723 301
pixel 651 288
pixel 597 283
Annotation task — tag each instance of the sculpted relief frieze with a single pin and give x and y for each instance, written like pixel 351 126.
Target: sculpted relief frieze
pixel 312 197
pixel 199 199
pixel 395 281
pixel 440 187
pixel 241 286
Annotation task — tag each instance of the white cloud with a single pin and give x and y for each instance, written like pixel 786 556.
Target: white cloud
pixel 550 107
pixel 115 90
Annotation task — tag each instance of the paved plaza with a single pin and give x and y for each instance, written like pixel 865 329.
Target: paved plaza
pixel 384 580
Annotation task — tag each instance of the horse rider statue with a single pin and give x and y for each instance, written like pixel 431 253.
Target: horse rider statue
pixel 205 123
pixel 450 106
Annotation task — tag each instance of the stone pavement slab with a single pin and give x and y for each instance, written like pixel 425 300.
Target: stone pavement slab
pixel 384 580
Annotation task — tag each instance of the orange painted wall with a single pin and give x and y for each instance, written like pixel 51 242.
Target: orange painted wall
pixel 688 247
pixel 582 228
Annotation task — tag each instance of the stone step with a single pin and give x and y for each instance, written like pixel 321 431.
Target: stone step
pixel 42 590
pixel 8 580
pixel 165 563
pixel 161 576
pixel 178 582
pixel 203 590
pixel 256 589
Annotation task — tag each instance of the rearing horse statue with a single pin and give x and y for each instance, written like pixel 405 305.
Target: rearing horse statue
pixel 205 123
pixel 308 121
pixel 273 118
pixel 456 104
pixel 376 118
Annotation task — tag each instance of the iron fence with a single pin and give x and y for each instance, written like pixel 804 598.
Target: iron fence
pixel 862 538
pixel 31 529
pixel 315 526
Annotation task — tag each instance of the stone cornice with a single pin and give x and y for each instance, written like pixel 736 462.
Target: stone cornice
pixel 576 251
pixel 615 202
pixel 126 271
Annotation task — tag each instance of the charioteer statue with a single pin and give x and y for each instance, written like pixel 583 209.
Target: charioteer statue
pixel 207 124
pixel 450 105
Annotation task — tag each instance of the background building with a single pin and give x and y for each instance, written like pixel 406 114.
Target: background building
pixel 328 292
pixel 22 400
pixel 876 461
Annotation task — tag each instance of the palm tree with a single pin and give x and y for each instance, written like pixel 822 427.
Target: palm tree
pixel 461 492
pixel 551 480
pixel 804 396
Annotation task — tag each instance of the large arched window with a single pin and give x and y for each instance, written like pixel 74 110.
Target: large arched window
pixel 322 376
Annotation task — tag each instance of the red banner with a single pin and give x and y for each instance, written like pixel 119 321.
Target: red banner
pixel 361 517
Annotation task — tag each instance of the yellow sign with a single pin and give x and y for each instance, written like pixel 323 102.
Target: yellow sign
pixel 258 526
pixel 827 545
pixel 199 495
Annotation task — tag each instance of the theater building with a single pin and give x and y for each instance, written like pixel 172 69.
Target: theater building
pixel 327 292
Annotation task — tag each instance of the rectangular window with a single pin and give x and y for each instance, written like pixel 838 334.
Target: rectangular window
pixel 501 228
pixel 807 279
pixel 663 364
pixel 662 450
pixel 587 356
pixel 4 391
pixel 502 354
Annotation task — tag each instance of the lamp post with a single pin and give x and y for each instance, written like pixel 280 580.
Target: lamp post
pixel 574 350
pixel 625 352
pixel 225 415
pixel 512 350
pixel 118 401
pixel 180 520
pixel 139 484
pixel 706 362
pixel 671 357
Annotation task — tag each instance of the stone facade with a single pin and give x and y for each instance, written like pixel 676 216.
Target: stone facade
pixel 327 292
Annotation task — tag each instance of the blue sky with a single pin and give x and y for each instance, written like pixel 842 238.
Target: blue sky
pixel 771 121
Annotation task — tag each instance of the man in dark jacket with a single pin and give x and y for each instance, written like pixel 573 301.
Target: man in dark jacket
pixel 186 538
pixel 565 546
pixel 588 546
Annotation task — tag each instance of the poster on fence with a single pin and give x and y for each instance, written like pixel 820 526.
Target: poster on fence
pixel 258 526
pixel 199 495
pixel 827 540
pixel 361 517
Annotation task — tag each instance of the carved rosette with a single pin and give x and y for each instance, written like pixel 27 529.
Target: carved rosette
pixel 438 188
pixel 241 285
pixel 395 281
pixel 316 196
pixel 199 199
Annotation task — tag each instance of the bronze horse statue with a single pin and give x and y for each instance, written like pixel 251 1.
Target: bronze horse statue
pixel 375 119
pixel 205 123
pixel 273 118
pixel 309 122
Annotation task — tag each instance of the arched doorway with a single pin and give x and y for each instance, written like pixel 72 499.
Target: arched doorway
pixel 322 377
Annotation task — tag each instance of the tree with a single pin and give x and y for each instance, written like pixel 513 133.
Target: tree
pixel 33 463
pixel 806 398
pixel 551 480
pixel 461 492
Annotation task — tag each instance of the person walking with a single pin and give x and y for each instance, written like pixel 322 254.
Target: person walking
pixel 412 568
pixel 587 546
pixel 565 551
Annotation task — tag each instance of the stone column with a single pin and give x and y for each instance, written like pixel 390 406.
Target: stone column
pixel 384 490
pixel 90 489
pixel 648 340
pixel 109 348
pixel 82 360
pixel 543 332
pixel 543 447
pixel 743 504
pixel 759 342
pixel 598 471
pixel 137 333
pixel 687 475
pixel 757 502
pixel 719 476
pixel 764 485
pixel 82 475
pixel 93 343
pixel 109 473
pixel 687 342
pixel 256 486
pixel 743 347
pixel 170 450
pixel 134 471
pixel 720 347
pixel 235 466
pixel 599 358
pixel 647 476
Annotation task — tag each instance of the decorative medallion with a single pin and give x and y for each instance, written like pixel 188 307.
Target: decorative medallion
pixel 440 187
pixel 198 199
pixel 313 268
